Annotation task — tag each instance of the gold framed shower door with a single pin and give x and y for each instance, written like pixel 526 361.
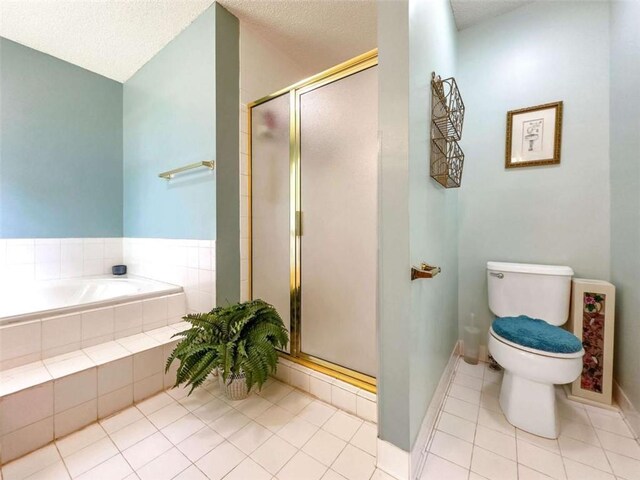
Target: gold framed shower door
pixel 338 72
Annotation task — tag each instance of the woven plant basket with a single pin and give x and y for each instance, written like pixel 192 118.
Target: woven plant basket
pixel 235 388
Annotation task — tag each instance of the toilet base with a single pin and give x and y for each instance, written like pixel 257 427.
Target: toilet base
pixel 529 405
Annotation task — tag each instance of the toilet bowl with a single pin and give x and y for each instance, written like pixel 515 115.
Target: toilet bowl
pixel 527 395
pixel 531 302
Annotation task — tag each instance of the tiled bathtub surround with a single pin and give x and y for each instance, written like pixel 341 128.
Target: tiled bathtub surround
pixel 52 258
pixel 52 398
pixel 189 263
pixel 27 342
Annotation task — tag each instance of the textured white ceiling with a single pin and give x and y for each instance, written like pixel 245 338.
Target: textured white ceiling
pixel 471 12
pixel 116 37
pixel 111 37
pixel 316 34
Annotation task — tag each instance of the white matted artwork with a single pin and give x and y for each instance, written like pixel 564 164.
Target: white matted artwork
pixel 534 136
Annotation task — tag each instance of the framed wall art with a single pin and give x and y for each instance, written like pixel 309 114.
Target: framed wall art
pixel 534 136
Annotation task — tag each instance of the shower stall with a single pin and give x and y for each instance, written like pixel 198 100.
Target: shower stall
pixel 313 167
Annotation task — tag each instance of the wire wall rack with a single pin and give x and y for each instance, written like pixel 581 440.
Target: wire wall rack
pixel 447 119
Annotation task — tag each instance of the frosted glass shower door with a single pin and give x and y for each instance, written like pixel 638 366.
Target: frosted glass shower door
pixel 338 172
pixel 270 204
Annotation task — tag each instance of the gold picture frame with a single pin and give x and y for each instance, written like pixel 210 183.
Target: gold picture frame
pixel 534 136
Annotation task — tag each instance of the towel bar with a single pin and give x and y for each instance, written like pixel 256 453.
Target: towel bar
pixel 210 164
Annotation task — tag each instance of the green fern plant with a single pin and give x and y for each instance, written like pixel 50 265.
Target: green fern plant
pixel 237 339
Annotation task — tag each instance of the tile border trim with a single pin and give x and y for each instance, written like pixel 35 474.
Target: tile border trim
pixel 404 465
pixel 419 451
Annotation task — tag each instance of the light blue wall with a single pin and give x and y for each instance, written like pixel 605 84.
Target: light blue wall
pixel 394 286
pixel 227 133
pixel 625 191
pixel 170 121
pixel 60 148
pixel 539 53
pixel 417 321
pixel 433 210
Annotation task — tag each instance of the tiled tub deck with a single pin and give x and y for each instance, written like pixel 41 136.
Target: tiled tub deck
pixel 280 432
pixel 88 365
pixel 70 370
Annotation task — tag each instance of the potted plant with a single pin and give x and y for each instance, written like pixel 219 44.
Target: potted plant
pixel 238 341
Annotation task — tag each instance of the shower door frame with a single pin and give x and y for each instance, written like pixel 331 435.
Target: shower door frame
pixel 295 91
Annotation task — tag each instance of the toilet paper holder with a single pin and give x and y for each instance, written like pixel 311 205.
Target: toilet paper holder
pixel 424 271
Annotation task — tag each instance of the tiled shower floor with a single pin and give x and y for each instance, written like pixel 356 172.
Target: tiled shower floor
pixel 285 434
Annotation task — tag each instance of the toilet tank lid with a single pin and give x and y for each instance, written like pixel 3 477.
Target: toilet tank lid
pixel 530 268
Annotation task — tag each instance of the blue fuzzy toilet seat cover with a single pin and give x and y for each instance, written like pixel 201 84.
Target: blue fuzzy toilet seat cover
pixel 537 334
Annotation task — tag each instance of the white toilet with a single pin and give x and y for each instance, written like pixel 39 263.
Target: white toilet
pixel 535 355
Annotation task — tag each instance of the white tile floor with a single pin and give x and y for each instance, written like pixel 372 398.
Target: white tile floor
pixel 474 441
pixel 282 434
pixel 285 434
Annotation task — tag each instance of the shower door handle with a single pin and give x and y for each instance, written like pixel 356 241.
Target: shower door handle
pixel 298 223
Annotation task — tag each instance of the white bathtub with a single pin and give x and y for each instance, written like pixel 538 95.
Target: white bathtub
pixel 23 301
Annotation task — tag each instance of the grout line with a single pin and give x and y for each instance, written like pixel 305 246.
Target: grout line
pixel 599 443
pixel 87 446
pixel 518 457
pixel 475 428
pixel 347 442
pixel 64 464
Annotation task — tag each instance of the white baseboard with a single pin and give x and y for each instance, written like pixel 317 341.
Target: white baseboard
pixel 393 460
pixel 419 451
pixel 404 465
pixel 631 414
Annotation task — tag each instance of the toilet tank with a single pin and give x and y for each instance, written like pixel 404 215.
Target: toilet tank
pixel 538 291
